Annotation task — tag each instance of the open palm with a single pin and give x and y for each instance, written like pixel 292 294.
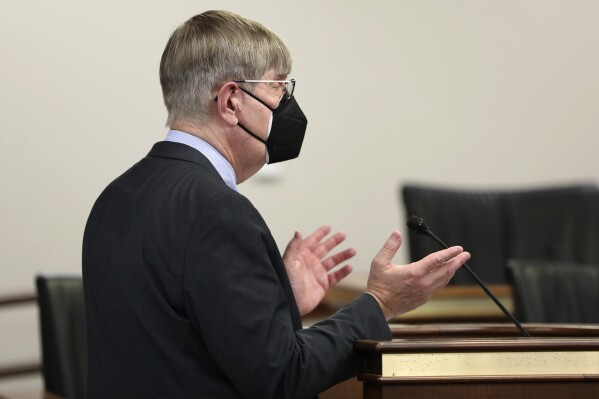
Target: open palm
pixel 309 266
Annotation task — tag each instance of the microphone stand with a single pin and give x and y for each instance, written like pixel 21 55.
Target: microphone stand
pixel 417 225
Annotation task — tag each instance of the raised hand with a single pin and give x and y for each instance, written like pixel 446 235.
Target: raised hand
pixel 401 288
pixel 309 265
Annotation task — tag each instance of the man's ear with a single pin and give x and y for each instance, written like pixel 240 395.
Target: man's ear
pixel 227 103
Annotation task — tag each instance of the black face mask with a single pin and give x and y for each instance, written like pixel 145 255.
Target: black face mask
pixel 287 130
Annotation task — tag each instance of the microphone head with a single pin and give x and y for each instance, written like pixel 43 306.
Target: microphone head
pixel 417 225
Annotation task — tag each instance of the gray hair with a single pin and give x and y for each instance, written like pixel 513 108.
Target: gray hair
pixel 209 50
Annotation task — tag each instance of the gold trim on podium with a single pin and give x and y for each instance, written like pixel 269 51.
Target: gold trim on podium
pixel 482 361
pixel 507 357
pixel 511 378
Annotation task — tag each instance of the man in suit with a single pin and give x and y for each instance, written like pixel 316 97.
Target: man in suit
pixel 186 292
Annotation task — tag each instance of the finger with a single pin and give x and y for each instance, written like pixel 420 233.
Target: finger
pixel 313 239
pixel 445 272
pixel 330 243
pixel 454 264
pixel 295 243
pixel 339 275
pixel 334 260
pixel 388 251
pixel 437 259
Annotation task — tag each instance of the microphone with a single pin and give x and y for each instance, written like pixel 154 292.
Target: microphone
pixel 417 225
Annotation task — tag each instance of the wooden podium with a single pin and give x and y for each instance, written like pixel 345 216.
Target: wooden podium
pixel 478 361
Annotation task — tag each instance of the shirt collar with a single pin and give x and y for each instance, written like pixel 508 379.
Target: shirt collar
pixel 220 163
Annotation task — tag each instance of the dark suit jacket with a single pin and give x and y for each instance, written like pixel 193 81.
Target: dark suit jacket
pixel 187 295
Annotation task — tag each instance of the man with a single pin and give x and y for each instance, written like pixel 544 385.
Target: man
pixel 187 295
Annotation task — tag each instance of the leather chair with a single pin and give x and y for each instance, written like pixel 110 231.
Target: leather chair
pixel 63 335
pixel 473 219
pixel 555 292
pixel 557 223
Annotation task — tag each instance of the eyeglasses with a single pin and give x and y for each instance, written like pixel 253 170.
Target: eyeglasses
pixel 288 85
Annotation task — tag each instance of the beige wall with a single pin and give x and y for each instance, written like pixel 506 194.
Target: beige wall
pixel 462 93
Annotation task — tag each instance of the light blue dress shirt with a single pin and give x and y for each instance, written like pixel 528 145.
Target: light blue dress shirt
pixel 222 166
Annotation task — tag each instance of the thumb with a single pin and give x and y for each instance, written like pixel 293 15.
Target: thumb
pixel 388 251
pixel 295 243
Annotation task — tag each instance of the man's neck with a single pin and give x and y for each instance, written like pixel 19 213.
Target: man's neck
pixel 205 133
pixel 208 133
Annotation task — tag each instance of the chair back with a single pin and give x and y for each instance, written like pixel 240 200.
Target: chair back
pixel 63 335
pixel 558 223
pixel 554 224
pixel 472 219
pixel 555 292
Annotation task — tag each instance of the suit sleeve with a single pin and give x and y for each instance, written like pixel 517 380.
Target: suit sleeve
pixel 237 302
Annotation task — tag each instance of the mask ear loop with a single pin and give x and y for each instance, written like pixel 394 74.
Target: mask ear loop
pixel 251 134
pixel 282 101
pixel 248 131
pixel 257 99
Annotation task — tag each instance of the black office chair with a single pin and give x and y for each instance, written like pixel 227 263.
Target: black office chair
pixel 63 335
pixel 555 292
pixel 474 219
pixel 554 224
pixel 558 223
